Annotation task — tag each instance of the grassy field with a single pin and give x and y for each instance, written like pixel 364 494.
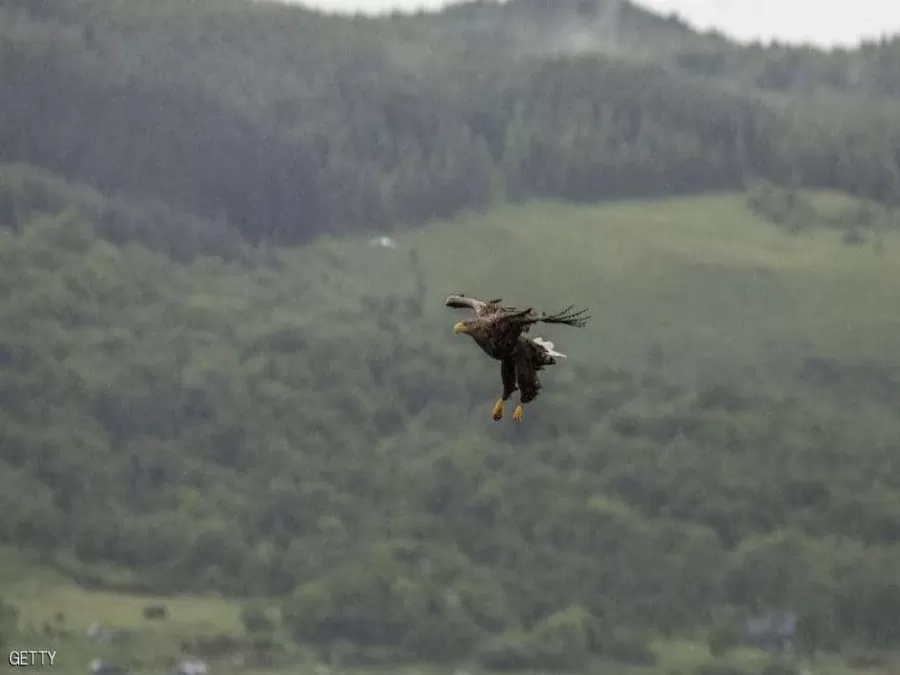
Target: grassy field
pixel 56 614
pixel 715 288
pixel 45 598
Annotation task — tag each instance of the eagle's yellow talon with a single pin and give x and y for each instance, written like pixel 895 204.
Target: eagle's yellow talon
pixel 518 414
pixel 498 410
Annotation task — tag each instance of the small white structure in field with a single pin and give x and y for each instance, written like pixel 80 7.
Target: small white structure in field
pixel 192 668
pixel 98 667
pixel 383 242
pixel 100 634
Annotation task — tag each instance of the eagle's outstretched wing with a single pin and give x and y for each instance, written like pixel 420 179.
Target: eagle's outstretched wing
pixel 480 307
pixel 568 316
pixel 512 315
pixel 459 301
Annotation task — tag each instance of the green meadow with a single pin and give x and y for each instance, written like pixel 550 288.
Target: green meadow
pixel 715 286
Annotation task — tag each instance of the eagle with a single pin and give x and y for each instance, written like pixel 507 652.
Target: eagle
pixel 500 332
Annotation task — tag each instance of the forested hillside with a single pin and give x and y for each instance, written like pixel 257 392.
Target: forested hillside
pixel 628 32
pixel 304 424
pixel 284 123
pixel 212 381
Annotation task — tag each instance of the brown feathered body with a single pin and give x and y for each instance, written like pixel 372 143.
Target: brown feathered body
pixel 501 334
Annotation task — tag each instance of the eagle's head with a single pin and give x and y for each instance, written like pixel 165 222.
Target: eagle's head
pixel 464 327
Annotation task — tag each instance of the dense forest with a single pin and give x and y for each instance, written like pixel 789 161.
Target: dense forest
pixel 211 383
pixel 332 124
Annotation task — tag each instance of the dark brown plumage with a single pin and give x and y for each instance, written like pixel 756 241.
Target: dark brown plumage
pixel 500 332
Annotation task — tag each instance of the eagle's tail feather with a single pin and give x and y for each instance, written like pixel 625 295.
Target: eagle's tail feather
pixel 548 347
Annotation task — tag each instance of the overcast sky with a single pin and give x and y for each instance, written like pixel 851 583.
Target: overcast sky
pixel 823 22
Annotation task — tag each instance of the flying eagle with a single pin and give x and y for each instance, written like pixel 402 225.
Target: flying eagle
pixel 499 331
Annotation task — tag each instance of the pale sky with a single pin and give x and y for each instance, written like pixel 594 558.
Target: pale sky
pixel 822 22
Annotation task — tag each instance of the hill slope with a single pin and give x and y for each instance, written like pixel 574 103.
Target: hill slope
pixel 181 411
pixel 310 425
pixel 630 32
pixel 284 123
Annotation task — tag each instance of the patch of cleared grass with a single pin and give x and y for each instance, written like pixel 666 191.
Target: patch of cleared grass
pixel 715 286
pixel 56 614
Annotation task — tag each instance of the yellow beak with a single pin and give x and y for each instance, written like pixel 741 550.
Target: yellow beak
pixel 460 327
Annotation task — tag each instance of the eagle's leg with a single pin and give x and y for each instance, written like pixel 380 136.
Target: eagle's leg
pixel 528 392
pixel 498 409
pixel 529 360
pixel 518 414
pixel 508 376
